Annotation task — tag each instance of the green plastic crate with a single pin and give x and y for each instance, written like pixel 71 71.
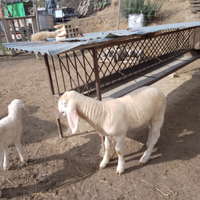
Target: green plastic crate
pixel 18 9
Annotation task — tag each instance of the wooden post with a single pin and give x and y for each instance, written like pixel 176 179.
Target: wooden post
pixel 2 47
pixel 6 28
pixel 35 12
pixel 34 23
pixel 13 29
pixel 118 19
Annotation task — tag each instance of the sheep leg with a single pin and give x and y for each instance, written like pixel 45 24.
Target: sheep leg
pixel 119 147
pixel 6 165
pixel 150 133
pixel 155 134
pixel 20 151
pixel 102 144
pixel 106 157
pixel 1 157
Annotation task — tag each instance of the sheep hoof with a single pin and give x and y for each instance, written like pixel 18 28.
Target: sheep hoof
pixel 119 171
pixel 118 174
pixel 6 168
pixel 144 159
pixel 101 166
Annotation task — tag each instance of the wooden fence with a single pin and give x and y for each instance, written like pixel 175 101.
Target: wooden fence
pixel 11 33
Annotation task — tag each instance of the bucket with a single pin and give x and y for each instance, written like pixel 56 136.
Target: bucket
pixel 135 20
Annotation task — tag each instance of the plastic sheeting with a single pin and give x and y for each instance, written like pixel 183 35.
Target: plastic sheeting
pixel 54 48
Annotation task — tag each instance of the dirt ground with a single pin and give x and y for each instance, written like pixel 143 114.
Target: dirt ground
pixel 68 168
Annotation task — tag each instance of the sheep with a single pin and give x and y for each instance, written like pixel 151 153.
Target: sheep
pixel 10 132
pixel 42 36
pixel 113 118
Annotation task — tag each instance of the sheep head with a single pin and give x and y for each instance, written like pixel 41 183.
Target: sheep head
pixel 17 103
pixel 67 106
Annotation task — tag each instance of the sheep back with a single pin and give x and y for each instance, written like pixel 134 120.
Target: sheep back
pixel 43 35
pixel 135 109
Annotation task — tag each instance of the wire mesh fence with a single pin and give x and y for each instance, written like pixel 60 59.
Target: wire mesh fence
pixel 118 61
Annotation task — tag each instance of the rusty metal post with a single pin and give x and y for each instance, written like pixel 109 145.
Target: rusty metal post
pixel 52 92
pixel 49 73
pixel 96 72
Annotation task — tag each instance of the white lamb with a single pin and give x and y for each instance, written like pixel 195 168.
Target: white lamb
pixel 10 132
pixel 114 118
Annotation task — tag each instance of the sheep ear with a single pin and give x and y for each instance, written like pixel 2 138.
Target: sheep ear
pixel 26 108
pixel 72 117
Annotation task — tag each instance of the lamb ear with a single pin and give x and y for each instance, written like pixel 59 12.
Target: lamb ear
pixel 26 108
pixel 72 117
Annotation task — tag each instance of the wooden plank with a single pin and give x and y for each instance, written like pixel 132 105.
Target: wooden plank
pixel 13 29
pixel 193 1
pixel 20 30
pixel 2 47
pixel 27 31
pixel 6 28
pixel 35 29
pixel 195 9
pixel 26 17
pixel 195 6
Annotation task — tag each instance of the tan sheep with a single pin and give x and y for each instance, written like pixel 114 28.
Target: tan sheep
pixel 114 118
pixel 42 36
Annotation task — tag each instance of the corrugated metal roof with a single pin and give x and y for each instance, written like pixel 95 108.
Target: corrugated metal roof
pixel 53 48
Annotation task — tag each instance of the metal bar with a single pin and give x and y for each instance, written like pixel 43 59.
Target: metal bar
pixel 55 74
pixel 52 91
pixel 86 75
pixel 66 70
pixel 75 67
pixel 96 71
pixel 59 128
pixel 63 79
pixel 66 56
pixel 46 61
